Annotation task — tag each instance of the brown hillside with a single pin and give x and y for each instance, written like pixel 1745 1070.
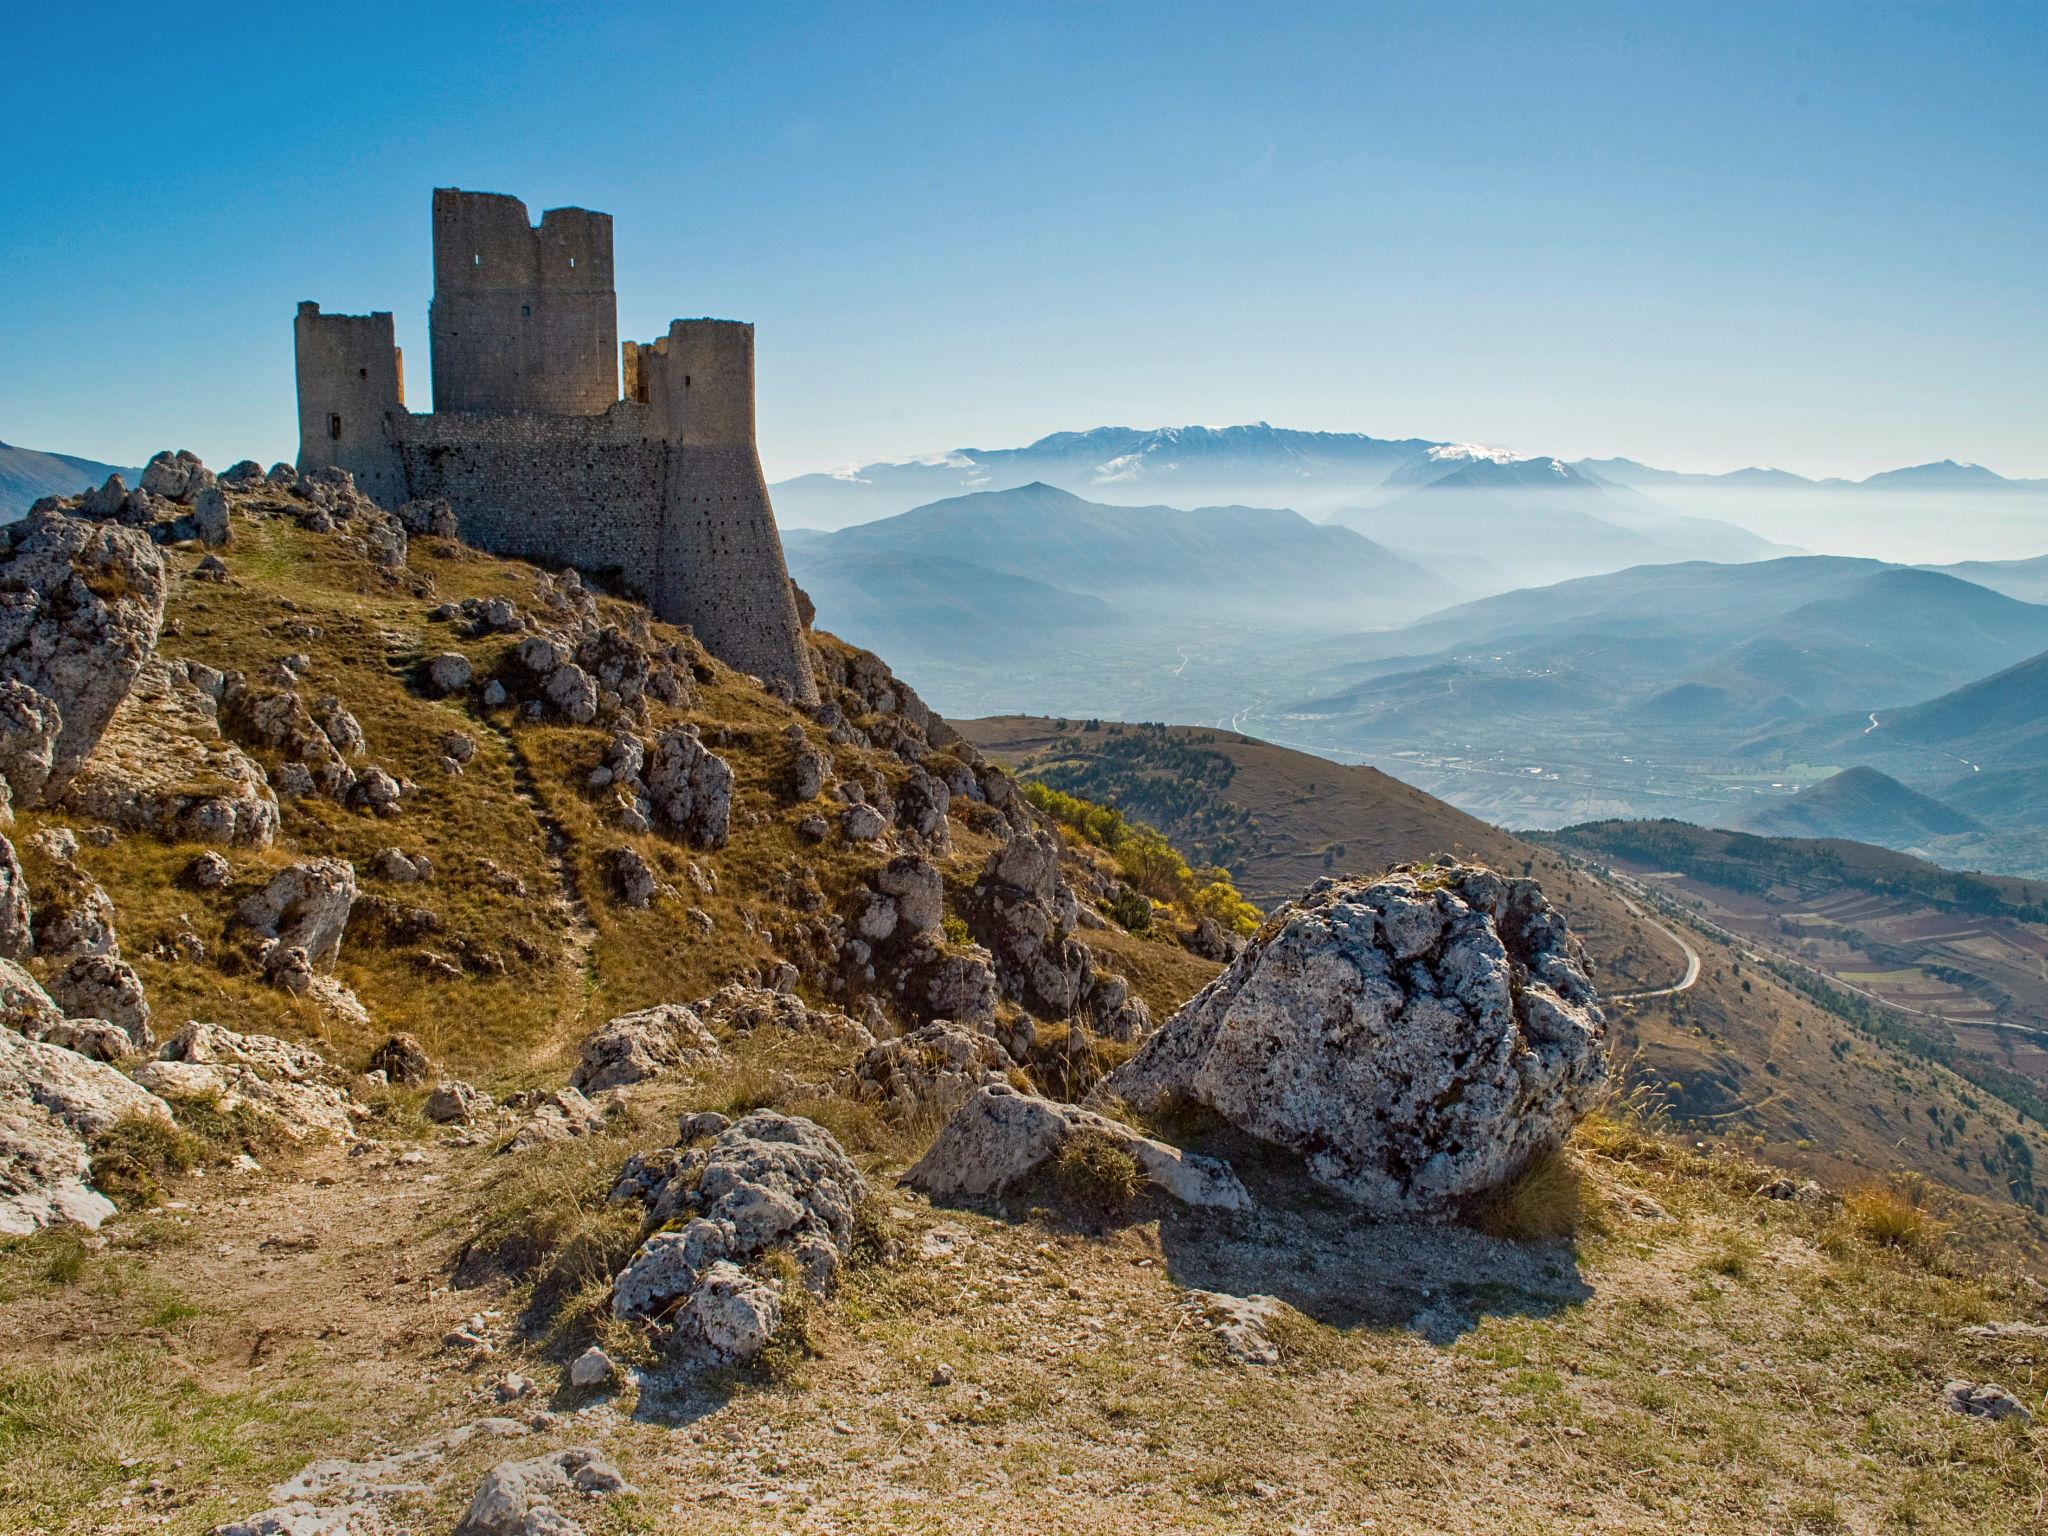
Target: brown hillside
pixel 1740 1057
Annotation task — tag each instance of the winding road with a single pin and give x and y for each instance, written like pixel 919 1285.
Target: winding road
pixel 1692 956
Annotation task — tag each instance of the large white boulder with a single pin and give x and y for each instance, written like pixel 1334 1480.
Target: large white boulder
pixel 1416 1039
pixel 81 605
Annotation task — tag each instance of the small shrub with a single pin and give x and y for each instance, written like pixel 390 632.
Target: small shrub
pixel 1892 1217
pixel 1130 910
pixel 955 930
pixel 1549 1199
pixel 134 1154
pixel 1095 1171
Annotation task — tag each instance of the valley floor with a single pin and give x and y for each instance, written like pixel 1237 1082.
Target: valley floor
pixel 1694 1357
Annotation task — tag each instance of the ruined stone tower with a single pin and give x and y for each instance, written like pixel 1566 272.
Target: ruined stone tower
pixel 531 444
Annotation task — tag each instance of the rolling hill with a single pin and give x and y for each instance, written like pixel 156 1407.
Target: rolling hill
pixel 29 474
pixel 2026 580
pixel 1864 806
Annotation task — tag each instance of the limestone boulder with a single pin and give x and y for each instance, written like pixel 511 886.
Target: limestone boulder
pixel 449 672
pixel 24 1006
pixel 107 988
pixel 932 1069
pixel 402 1059
pixel 305 906
pixel 629 877
pixel 690 788
pixel 81 606
pixel 542 1495
pixel 1001 1135
pixel 53 1103
pixel 769 1182
pixel 637 1046
pixel 1024 910
pixel 1415 1039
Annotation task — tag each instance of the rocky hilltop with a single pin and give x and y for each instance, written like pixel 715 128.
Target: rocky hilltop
pixel 475 1062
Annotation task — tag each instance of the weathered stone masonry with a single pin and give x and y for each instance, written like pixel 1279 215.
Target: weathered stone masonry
pixel 532 445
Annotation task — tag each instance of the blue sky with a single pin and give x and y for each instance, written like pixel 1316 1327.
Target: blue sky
pixel 1809 235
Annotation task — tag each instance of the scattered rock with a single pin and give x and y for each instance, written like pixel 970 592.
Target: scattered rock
pixel 1415 1039
pixel 861 823
pixel 1241 1323
pixel 1000 1135
pixel 103 987
pixel 304 907
pixel 454 1102
pixel 770 1181
pixel 555 1117
pixel 1025 912
pixel 1985 1401
pixel 402 1059
pixel 933 1068
pixel 593 1368
pixel 629 876
pixel 207 872
pixel 690 788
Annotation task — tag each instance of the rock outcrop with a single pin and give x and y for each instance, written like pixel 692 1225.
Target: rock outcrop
pixel 53 1103
pixel 1025 912
pixel 302 914
pixel 163 767
pixel 1001 1135
pixel 769 1182
pixel 81 605
pixel 292 1085
pixel 932 1069
pixel 1416 1039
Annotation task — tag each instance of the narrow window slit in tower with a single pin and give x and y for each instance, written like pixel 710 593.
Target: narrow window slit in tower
pixel 334 425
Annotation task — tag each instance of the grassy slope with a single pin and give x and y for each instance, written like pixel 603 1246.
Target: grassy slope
pixel 169 1372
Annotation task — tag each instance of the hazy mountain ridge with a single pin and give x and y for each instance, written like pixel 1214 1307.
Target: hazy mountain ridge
pixel 1036 577
pixel 29 474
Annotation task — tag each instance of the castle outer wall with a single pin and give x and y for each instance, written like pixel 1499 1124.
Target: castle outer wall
pixel 661 494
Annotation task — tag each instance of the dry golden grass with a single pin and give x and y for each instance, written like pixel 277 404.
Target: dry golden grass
pixel 1549 1199
pixel 1893 1216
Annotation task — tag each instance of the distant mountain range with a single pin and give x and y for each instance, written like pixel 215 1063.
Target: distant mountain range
pixel 1257 465
pixel 29 474
pixel 1943 474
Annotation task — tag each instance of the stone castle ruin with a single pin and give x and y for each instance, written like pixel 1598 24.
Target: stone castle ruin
pixel 532 445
